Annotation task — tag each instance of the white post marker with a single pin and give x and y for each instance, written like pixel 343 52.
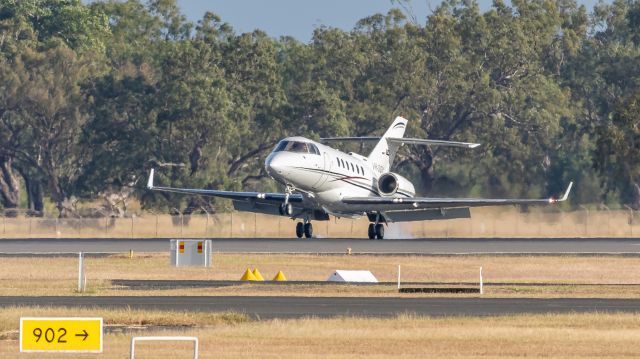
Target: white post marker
pixel 80 272
pixel 481 289
pixel 398 276
pixel 139 339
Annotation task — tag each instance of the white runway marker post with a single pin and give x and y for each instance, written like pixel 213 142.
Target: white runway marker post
pixel 398 276
pixel 80 272
pixel 481 289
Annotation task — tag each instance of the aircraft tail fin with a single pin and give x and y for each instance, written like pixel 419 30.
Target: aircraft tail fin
pixel 382 155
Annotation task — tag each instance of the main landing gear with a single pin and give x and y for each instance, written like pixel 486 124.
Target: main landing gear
pixel 305 229
pixel 376 231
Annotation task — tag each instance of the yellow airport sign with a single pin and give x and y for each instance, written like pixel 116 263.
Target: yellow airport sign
pixel 60 334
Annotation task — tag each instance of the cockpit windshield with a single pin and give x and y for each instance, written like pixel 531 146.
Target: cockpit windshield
pixel 297 146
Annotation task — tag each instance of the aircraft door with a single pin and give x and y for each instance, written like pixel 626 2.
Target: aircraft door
pixel 326 166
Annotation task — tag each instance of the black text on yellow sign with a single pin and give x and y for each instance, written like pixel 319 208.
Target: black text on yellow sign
pixel 60 334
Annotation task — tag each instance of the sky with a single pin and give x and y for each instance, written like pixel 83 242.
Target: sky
pixel 298 18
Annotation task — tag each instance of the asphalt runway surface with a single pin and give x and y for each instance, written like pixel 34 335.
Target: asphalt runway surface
pixel 419 246
pixel 295 307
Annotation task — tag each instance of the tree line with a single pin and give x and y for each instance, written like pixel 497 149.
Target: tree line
pixel 94 95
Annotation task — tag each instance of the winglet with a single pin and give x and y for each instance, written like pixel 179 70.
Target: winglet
pixel 566 193
pixel 150 182
pixel 564 196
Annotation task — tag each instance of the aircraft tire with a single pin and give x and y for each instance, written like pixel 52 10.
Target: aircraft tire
pixel 379 231
pixel 287 209
pixel 299 230
pixel 308 230
pixel 372 231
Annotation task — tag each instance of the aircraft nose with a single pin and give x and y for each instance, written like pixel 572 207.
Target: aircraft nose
pixel 276 165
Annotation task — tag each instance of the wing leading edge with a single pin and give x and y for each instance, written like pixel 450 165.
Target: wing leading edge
pixel 239 196
pixel 390 203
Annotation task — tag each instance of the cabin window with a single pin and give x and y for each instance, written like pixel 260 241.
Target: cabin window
pixel 338 161
pixel 352 169
pixel 280 146
pixel 314 149
pixel 341 161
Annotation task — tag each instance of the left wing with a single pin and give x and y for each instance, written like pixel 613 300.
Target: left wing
pixel 395 203
pixel 260 197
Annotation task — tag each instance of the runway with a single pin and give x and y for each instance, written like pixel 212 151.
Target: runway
pixel 418 246
pixel 295 307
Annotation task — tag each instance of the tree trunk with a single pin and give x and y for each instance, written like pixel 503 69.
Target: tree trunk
pixel 9 184
pixel 427 175
pixel 33 187
pixel 36 197
pixel 424 162
pixel 58 195
pixel 636 196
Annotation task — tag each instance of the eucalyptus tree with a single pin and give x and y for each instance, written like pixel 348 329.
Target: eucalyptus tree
pixel 51 48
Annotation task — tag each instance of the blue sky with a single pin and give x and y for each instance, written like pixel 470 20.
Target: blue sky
pixel 298 18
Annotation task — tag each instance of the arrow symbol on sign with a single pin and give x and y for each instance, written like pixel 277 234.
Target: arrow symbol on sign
pixel 85 335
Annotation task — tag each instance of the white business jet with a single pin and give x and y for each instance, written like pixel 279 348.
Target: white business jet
pixel 321 181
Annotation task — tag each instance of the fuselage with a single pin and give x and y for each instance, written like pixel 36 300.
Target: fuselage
pixel 323 174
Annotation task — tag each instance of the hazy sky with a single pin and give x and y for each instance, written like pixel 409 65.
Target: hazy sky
pixel 298 18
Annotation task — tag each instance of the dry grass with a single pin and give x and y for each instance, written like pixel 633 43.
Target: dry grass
pixel 58 276
pixel 548 336
pixel 10 317
pixel 485 222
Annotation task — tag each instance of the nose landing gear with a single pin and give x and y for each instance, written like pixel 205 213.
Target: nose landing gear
pixel 285 209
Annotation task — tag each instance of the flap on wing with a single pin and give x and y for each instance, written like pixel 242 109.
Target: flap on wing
pixel 266 208
pixel 272 209
pixel 427 214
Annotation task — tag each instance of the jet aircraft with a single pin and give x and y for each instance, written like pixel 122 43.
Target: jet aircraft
pixel 321 181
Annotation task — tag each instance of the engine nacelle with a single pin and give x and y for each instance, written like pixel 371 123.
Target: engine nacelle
pixel 391 183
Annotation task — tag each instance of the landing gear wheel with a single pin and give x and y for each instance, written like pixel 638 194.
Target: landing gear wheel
pixel 308 230
pixel 286 209
pixel 299 229
pixel 372 231
pixel 379 231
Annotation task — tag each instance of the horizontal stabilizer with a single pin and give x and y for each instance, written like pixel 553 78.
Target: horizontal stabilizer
pixel 402 141
pixel 420 141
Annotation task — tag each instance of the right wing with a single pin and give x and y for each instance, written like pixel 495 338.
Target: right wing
pixel 396 203
pixel 259 197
